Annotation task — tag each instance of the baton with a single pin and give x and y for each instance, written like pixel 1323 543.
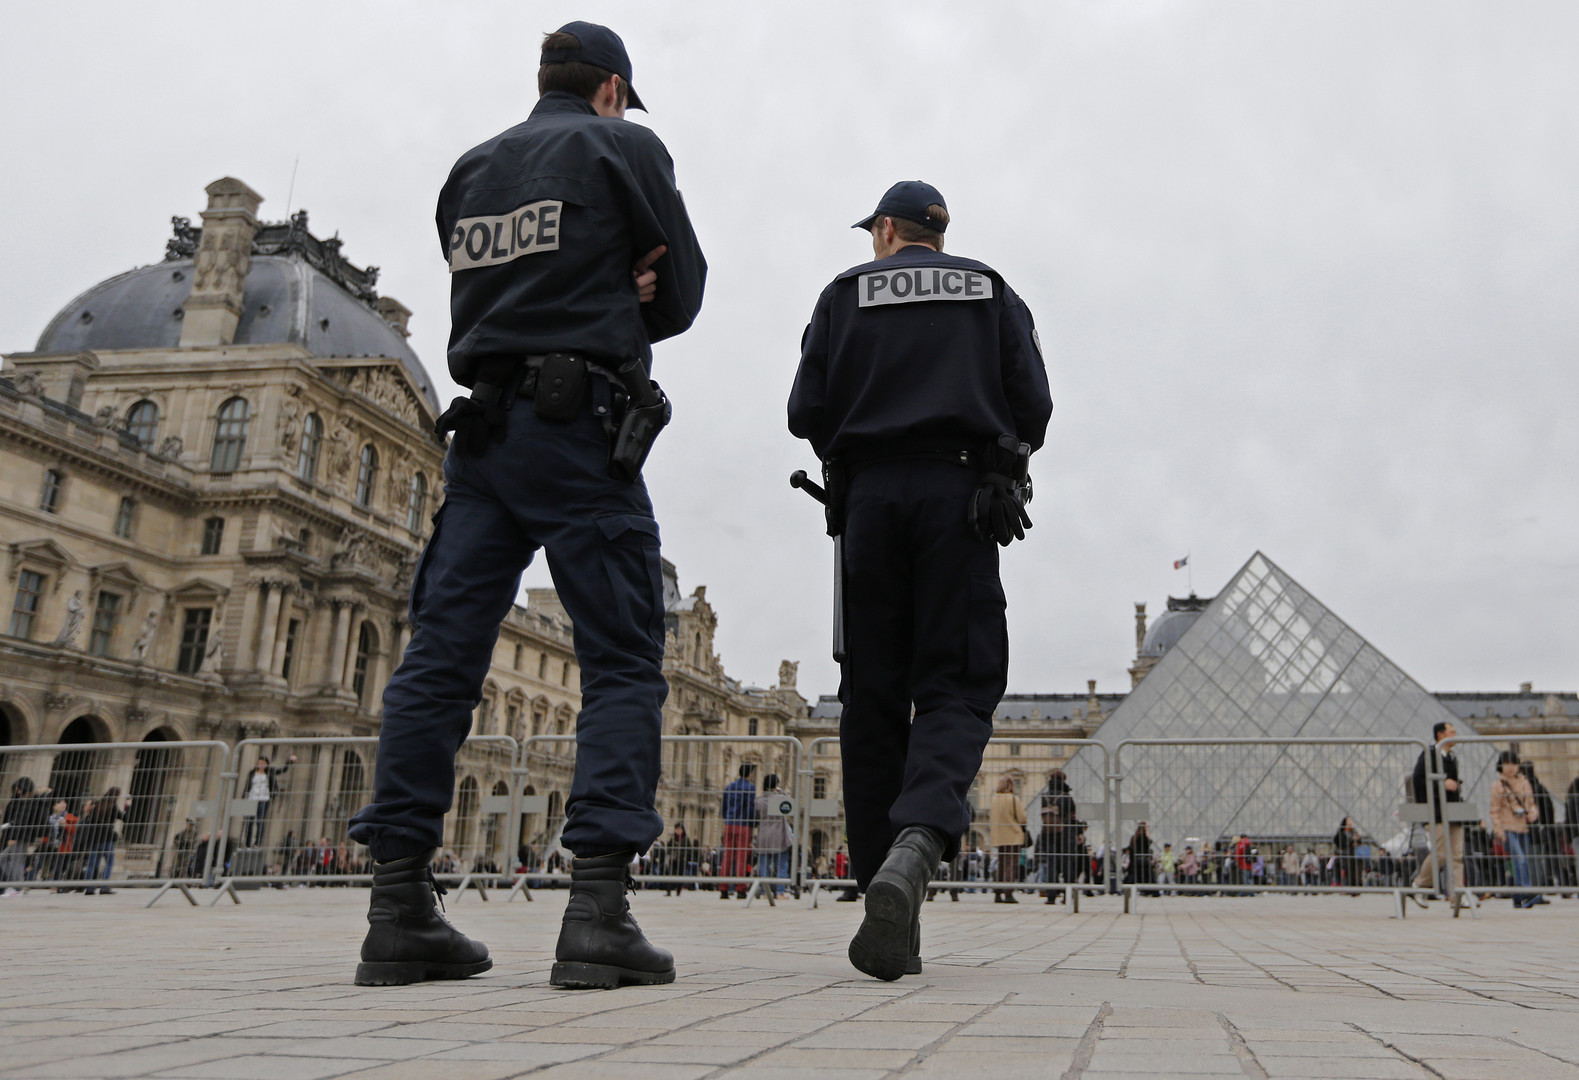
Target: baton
pixel 799 479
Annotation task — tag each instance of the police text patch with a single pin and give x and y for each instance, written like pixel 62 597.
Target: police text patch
pixel 489 241
pixel 911 284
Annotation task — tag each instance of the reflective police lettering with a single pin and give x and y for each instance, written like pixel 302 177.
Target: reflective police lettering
pixel 489 241
pixel 915 284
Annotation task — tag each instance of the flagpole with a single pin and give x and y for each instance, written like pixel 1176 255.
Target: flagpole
pixel 1189 572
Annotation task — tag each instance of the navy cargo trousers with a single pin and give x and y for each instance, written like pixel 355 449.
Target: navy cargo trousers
pixel 925 627
pixel 546 486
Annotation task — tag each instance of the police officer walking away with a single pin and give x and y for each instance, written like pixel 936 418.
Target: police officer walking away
pixel 570 253
pixel 922 388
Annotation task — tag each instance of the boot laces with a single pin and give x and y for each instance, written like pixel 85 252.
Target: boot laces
pixel 438 894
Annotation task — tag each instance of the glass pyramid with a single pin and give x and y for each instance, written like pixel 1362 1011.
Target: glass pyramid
pixel 1267 660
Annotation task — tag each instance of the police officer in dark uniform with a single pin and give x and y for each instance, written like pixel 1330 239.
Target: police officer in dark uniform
pixel 570 252
pixel 922 388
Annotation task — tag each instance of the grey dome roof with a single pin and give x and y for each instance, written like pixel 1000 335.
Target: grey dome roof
pixel 286 298
pixel 1165 633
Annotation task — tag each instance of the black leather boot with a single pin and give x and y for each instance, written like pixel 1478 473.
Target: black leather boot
pixel 882 946
pixel 408 940
pixel 600 945
pixel 913 966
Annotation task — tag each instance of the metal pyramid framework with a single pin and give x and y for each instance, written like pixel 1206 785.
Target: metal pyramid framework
pixel 1266 659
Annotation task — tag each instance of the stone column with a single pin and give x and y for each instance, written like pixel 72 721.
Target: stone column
pixel 337 641
pixel 282 633
pixel 323 762
pixel 349 663
pixel 271 619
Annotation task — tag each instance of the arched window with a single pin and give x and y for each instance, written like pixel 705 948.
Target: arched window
pixel 366 476
pixel 366 646
pixel 142 422
pixel 230 437
pixel 312 442
pixel 419 506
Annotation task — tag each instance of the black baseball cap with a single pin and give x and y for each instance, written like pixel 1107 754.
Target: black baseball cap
pixel 600 47
pixel 907 199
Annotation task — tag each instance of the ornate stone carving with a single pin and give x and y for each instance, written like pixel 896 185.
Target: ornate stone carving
pixel 105 417
pixel 385 389
pixel 27 383
pixel 356 552
pixel 136 714
pixel 787 672
pixel 57 699
pixel 171 447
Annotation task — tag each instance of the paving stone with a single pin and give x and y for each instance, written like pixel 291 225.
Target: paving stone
pixel 116 991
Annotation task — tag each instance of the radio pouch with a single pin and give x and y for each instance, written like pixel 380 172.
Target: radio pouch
pixel 561 387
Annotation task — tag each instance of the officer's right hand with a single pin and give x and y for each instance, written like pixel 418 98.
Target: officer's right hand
pixel 647 279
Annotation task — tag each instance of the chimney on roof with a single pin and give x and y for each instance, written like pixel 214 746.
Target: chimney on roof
pixel 1140 626
pixel 395 314
pixel 219 271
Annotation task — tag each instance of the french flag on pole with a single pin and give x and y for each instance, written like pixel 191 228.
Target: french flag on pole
pixel 1180 564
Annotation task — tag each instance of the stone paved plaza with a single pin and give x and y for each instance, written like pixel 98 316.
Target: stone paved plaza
pixel 1266 987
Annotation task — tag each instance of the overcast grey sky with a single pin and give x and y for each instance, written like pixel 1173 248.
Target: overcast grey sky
pixel 1305 273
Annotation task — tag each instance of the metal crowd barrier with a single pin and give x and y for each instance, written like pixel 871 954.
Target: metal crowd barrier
pixel 713 852
pixel 1550 843
pixel 1291 796
pixel 298 834
pixel 103 816
pixel 1067 857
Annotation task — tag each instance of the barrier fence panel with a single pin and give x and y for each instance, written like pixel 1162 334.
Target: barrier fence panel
pixel 1064 840
pixel 92 815
pixel 288 803
pixel 1266 814
pixel 1519 855
pixel 713 835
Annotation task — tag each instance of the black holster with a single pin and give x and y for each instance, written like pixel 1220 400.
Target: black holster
pixel 647 412
pixel 836 482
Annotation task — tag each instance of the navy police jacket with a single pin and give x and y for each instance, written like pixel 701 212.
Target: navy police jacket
pixel 918 346
pixel 541 225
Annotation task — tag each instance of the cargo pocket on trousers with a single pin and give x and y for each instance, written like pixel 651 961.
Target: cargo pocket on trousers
pixel 635 574
pixel 986 642
pixel 419 575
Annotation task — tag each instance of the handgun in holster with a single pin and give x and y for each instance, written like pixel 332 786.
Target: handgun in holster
pixel 647 412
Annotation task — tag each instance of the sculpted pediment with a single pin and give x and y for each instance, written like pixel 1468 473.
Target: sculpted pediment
pixel 386 384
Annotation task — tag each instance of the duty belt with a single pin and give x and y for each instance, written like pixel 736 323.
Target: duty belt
pixel 951 451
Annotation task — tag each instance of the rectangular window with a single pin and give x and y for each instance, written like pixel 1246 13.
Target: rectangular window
pixel 819 787
pixel 519 651
pixel 29 591
pixel 292 630
pixel 106 613
pixel 564 674
pixel 542 665
pixel 49 498
pixel 1014 749
pixel 123 517
pixel 213 535
pixel 194 640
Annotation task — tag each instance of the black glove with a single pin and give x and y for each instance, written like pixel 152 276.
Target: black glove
pixel 475 426
pixel 996 512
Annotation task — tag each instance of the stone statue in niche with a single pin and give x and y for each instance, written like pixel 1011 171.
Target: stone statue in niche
pixel 76 612
pixel 145 639
pixel 290 417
